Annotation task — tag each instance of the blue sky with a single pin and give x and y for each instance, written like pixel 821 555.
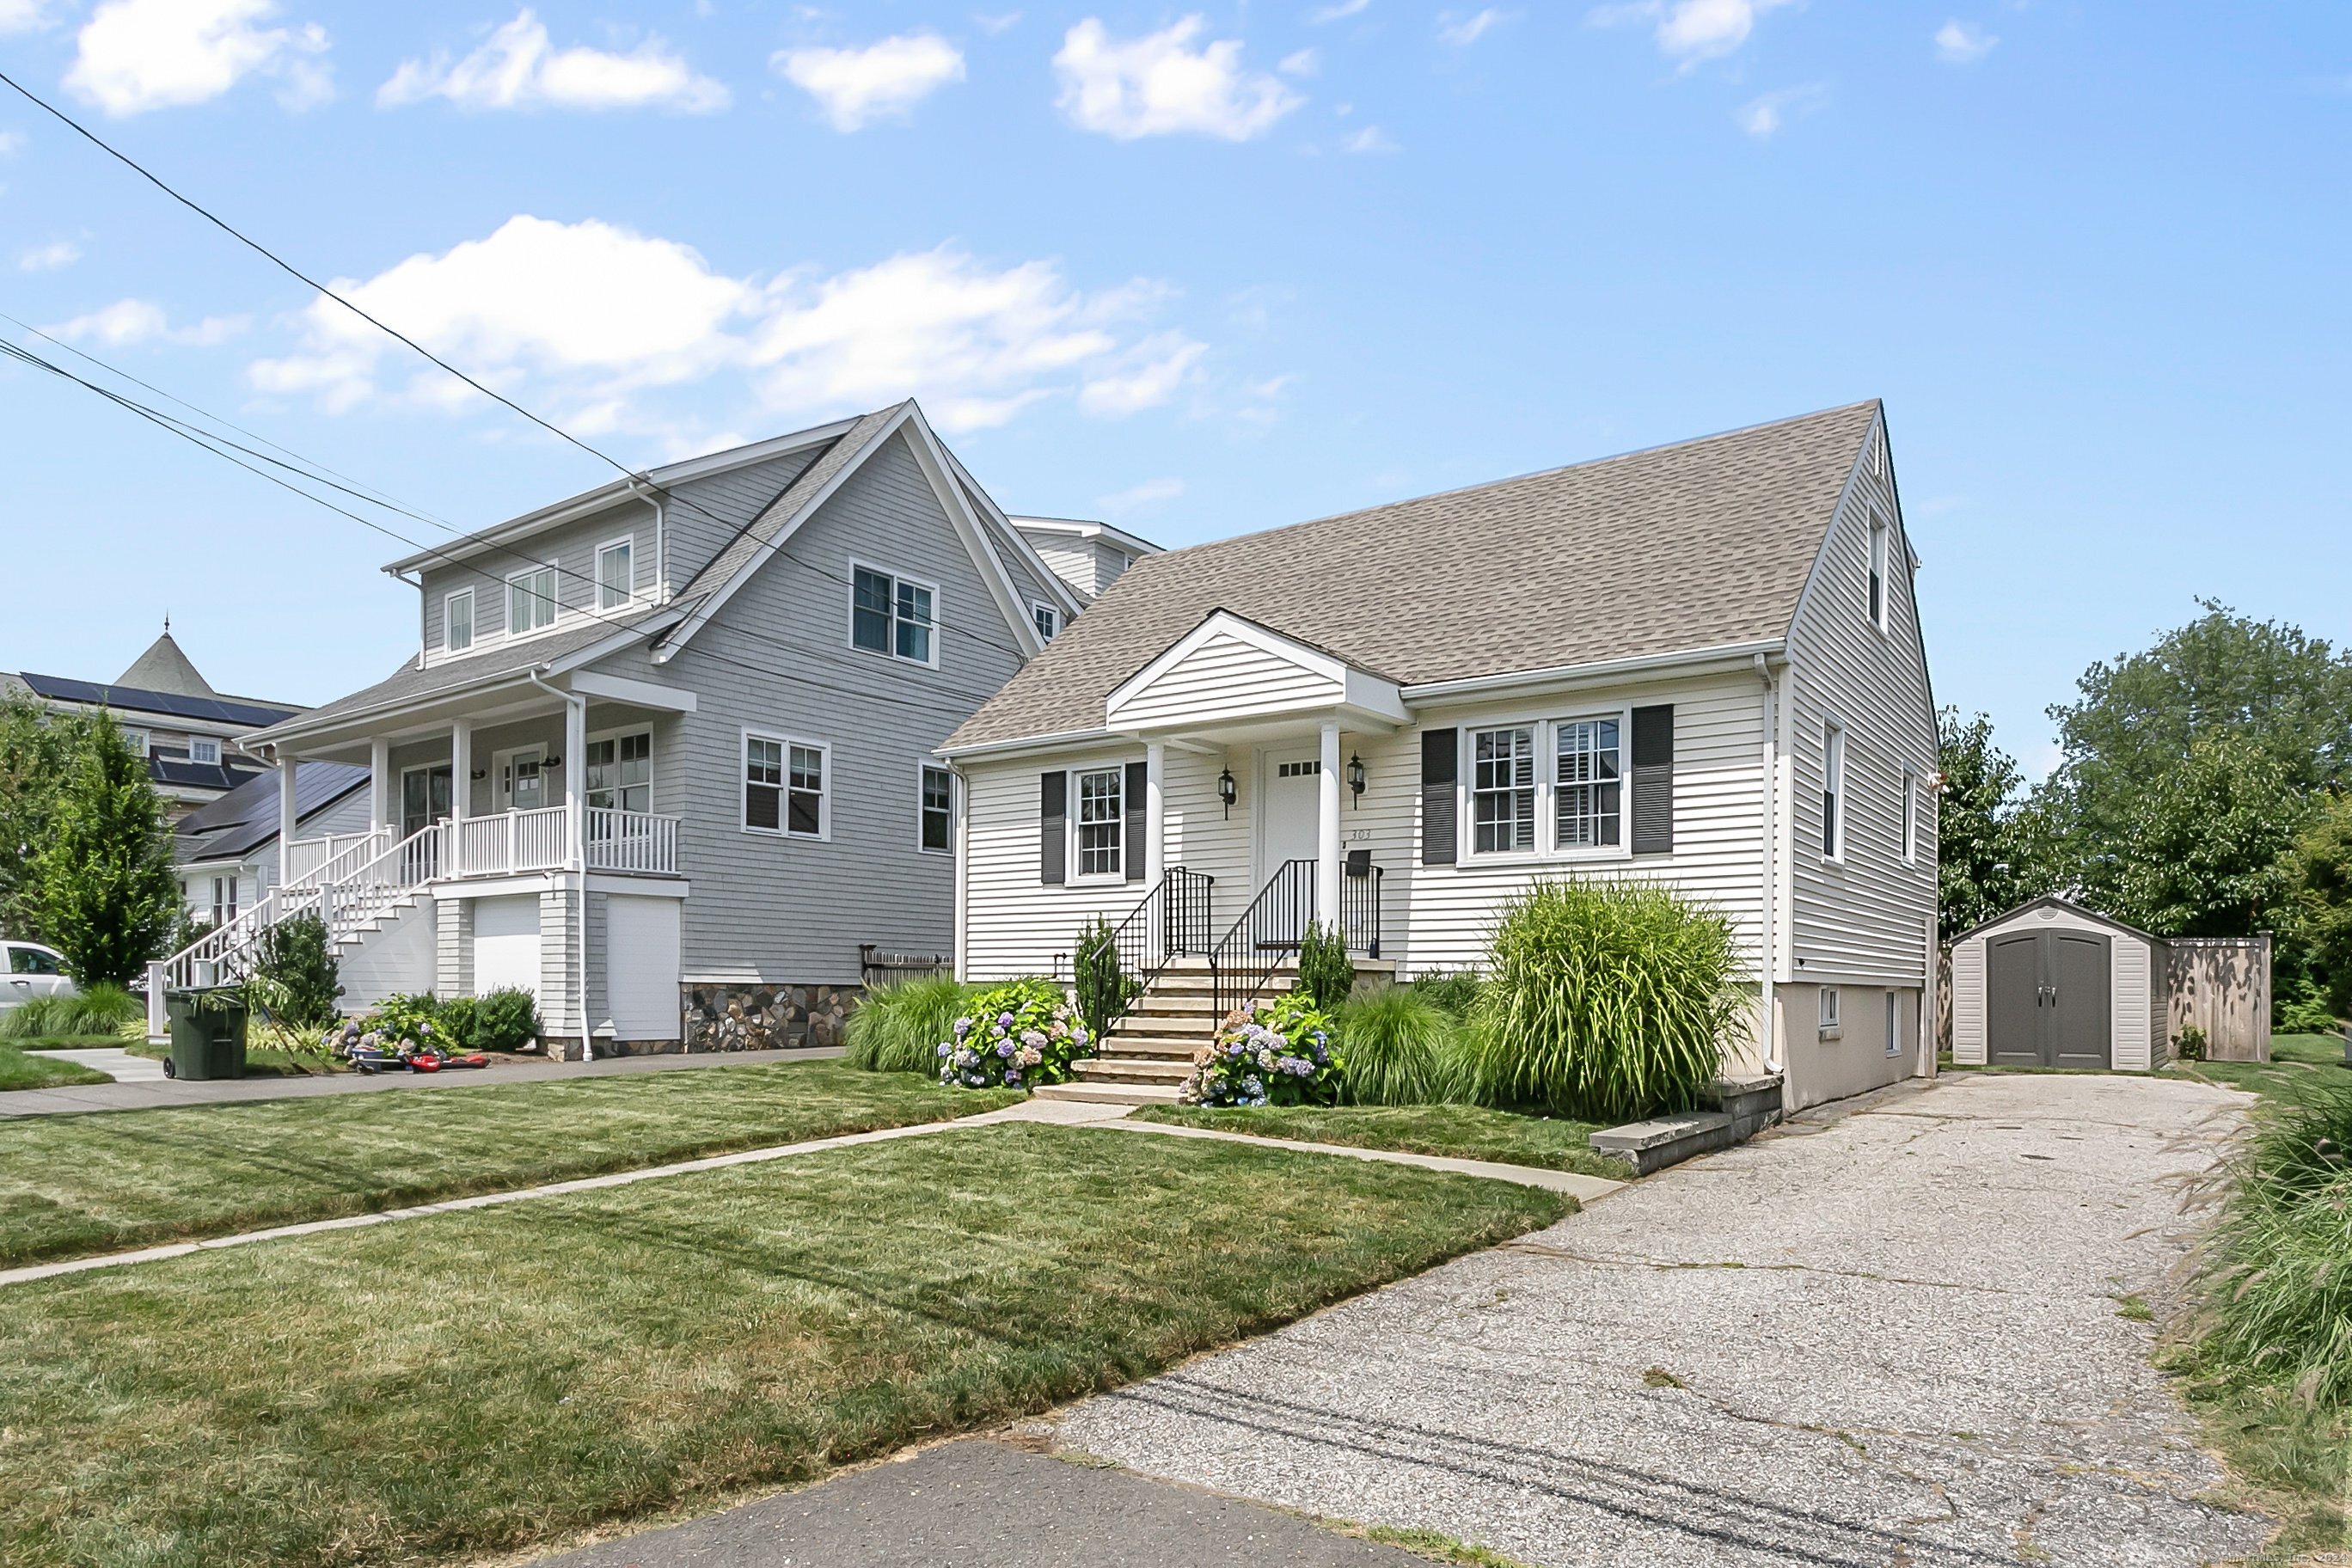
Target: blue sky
pixel 1199 270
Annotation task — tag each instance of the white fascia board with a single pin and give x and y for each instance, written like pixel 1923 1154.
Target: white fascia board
pixel 637 693
pixel 1023 745
pixel 1224 622
pixel 1010 602
pixel 1728 654
pixel 1069 602
pixel 1080 528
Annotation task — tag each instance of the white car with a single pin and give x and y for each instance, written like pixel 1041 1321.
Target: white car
pixel 33 970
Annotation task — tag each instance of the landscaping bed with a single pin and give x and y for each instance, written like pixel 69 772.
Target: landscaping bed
pixel 103 1181
pixel 490 1382
pixel 1461 1132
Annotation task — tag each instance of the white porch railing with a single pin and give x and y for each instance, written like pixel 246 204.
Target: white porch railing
pixel 310 861
pixel 512 841
pixel 631 841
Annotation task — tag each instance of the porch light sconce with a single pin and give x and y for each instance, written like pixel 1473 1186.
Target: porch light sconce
pixel 1356 778
pixel 1227 791
pixel 553 763
pixel 480 774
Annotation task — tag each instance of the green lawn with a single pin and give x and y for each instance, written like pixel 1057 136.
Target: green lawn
pixel 1464 1132
pixel 73 1184
pixel 2300 1066
pixel 487 1381
pixel 23 1068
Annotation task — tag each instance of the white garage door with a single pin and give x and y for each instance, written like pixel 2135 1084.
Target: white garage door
pixel 506 944
pixel 641 967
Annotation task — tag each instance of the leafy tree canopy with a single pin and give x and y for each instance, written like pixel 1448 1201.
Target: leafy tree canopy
pixel 105 893
pixel 34 746
pixel 2200 848
pixel 1988 856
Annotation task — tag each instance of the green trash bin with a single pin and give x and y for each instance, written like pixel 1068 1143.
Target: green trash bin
pixel 207 1034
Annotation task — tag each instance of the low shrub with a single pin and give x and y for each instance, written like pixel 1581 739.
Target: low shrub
pixel 1326 973
pixel 2190 1044
pixel 2300 1007
pixel 460 1021
pixel 1104 986
pixel 1019 1035
pixel 897 1028
pixel 1282 1053
pixel 1603 1000
pixel 1402 1048
pixel 298 977
pixel 1452 992
pixel 505 1019
pixel 102 1009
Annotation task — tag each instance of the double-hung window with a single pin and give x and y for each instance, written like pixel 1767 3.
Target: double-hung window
pixel 1101 822
pixel 621 773
pixel 1503 790
pixel 937 826
pixel 224 901
pixel 614 566
pixel 1048 620
pixel 458 621
pixel 201 750
pixel 1833 793
pixel 784 787
pixel 1878 541
pixel 892 615
pixel 1589 789
pixel 137 741
pixel 530 600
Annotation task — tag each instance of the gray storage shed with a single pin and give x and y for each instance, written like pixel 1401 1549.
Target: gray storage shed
pixel 2054 985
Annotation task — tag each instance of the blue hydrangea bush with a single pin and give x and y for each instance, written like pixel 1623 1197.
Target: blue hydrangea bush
pixel 1018 1034
pixel 1281 1054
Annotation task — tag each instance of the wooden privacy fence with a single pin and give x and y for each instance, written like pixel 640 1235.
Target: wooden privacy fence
pixel 2222 985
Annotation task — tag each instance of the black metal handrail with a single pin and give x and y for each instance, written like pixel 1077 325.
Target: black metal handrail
pixel 1264 938
pixel 1360 908
pixel 1172 919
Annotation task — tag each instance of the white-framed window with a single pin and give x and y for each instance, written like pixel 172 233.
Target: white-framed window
pixel 893 614
pixel 1503 790
pixel 616 572
pixel 530 600
pixel 785 787
pixel 1829 1009
pixel 1833 793
pixel 620 775
pixel 137 741
pixel 1100 821
pixel 1879 535
pixel 224 901
pixel 1588 788
pixel 1910 817
pixel 458 621
pixel 1048 620
pixel 1894 1022
pixel 935 811
pixel 204 749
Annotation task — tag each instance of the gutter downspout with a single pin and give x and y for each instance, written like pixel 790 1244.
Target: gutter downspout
pixel 573 779
pixel 661 540
pixel 1770 937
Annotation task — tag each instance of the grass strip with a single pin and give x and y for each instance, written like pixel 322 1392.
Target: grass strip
pixel 70 1185
pixel 491 1381
pixel 23 1068
pixel 1461 1132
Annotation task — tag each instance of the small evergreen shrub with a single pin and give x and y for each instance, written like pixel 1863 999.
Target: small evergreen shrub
pixel 1402 1048
pixel 461 1024
pixel 1326 973
pixel 1105 988
pixel 897 1028
pixel 1603 1000
pixel 507 1019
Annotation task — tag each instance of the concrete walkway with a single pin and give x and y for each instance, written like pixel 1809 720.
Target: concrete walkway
pixel 112 1061
pixel 1885 1335
pixel 158 1091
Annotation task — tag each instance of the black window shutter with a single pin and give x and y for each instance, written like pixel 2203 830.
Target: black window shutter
pixel 1053 827
pixel 1441 752
pixel 1653 780
pixel 1131 842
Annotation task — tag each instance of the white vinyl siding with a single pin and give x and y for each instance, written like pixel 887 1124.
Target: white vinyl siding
pixel 1226 677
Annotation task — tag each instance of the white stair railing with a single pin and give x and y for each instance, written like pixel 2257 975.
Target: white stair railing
pixel 311 862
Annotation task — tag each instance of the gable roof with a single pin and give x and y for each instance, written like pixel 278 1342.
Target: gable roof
pixel 246 818
pixel 2056 901
pixel 1703 544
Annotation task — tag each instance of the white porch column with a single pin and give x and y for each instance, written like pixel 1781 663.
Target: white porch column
pixel 381 812
pixel 285 812
pixel 1155 811
pixel 575 776
pixel 461 794
pixel 1326 829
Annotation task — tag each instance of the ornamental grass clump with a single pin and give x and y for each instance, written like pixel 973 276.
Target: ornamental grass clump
pixel 1018 1034
pixel 1281 1054
pixel 898 1027
pixel 102 1009
pixel 1604 1000
pixel 1402 1048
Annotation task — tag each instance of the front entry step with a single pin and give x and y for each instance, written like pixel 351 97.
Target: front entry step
pixel 1109 1093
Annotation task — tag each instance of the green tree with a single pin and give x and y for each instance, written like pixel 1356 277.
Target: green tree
pixel 105 891
pixel 2322 898
pixel 1987 857
pixel 34 746
pixel 2201 848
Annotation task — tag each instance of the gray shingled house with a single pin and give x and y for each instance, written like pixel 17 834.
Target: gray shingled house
pixel 666 752
pixel 1699 664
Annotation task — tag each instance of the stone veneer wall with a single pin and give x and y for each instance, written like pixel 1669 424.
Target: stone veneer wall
pixel 764 1017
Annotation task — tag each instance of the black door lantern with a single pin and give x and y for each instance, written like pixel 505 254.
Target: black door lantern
pixel 1226 791
pixel 1356 778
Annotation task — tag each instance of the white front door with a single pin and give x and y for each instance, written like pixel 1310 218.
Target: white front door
pixel 522 779
pixel 1290 808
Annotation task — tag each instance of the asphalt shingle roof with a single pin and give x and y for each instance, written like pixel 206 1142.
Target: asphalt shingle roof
pixel 1701 544
pixel 746 546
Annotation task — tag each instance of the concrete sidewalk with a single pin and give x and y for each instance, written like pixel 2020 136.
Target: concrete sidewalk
pixel 161 1092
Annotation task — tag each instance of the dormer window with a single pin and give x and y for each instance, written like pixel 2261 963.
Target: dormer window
pixel 530 600
pixel 893 614
pixel 614 582
pixel 458 621
pixel 1048 620
pixel 201 749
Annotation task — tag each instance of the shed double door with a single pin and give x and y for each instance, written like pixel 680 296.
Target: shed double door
pixel 2047 995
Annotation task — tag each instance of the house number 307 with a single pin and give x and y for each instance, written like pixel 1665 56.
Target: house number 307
pixel 1360 835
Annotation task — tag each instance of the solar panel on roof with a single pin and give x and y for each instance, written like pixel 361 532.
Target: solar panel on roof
pixel 62 688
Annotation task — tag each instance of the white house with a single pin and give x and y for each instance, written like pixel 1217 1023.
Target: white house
pixel 227 851
pixel 1698 664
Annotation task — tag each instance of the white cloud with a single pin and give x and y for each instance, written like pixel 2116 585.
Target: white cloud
pixel 1158 85
pixel 137 54
pixel 591 319
pixel 1340 12
pixel 1764 116
pixel 1958 43
pixel 1306 62
pixel 1371 139
pixel 1692 30
pixel 1151 492
pixel 857 87
pixel 127 323
pixel 11 142
pixel 1001 23
pixel 1464 31
pixel 23 16
pixel 518 67
pixel 49 257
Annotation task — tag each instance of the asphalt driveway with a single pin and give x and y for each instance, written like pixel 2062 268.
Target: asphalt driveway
pixel 1884 1336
